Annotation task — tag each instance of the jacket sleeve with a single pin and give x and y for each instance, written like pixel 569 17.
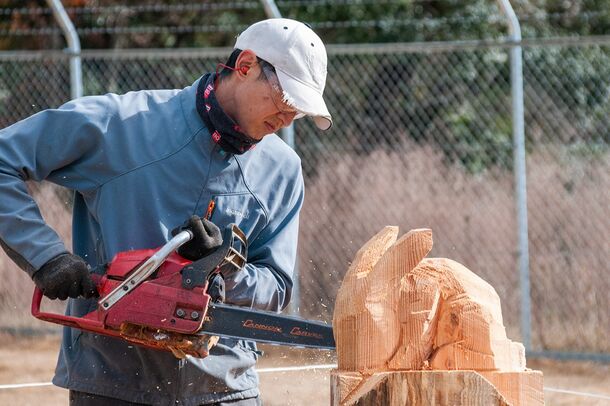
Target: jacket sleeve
pixel 43 146
pixel 266 281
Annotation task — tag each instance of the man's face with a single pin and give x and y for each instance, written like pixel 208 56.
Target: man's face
pixel 259 108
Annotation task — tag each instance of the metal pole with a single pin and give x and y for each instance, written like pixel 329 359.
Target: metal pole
pixel 272 11
pixel 516 78
pixel 76 75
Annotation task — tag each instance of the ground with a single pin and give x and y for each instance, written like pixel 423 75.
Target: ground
pixel 27 360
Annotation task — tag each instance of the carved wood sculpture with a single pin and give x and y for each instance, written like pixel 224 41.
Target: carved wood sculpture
pixel 413 330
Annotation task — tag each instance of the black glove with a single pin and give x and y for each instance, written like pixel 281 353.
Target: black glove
pixel 206 238
pixel 64 276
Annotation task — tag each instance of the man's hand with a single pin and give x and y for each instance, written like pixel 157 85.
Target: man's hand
pixel 206 238
pixel 64 276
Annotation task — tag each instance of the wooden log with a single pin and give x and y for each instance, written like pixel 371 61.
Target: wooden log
pixel 455 388
pixel 399 311
pixel 470 333
pixel 368 298
pixel 519 388
pixel 351 299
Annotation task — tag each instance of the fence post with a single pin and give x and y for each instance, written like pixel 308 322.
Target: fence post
pixel 516 79
pixel 76 75
pixel 272 11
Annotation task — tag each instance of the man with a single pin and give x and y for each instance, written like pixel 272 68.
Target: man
pixel 142 163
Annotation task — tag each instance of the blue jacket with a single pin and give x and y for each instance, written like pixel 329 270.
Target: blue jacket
pixel 140 164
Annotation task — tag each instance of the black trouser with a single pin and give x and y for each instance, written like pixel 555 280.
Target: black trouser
pixel 87 399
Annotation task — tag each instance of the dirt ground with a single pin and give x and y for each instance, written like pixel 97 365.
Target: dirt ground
pixel 33 359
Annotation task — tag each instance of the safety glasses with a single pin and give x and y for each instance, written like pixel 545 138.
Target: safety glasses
pixel 277 94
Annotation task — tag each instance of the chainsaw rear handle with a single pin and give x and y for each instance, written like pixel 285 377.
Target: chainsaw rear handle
pixel 69 321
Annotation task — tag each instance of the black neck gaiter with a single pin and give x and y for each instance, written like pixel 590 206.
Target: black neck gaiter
pixel 225 132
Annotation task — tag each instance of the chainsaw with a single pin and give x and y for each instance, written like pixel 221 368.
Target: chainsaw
pixel 158 299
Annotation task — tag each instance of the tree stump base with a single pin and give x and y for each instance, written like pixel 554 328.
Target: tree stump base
pixel 455 388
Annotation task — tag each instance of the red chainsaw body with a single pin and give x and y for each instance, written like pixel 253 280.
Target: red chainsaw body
pixel 160 302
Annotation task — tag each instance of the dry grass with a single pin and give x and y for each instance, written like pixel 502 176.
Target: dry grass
pixel 473 220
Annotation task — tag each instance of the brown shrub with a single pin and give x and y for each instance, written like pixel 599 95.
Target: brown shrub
pixel 473 218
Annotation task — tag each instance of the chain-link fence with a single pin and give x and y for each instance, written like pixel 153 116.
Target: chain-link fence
pixel 422 138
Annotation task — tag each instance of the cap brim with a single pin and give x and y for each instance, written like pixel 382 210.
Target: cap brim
pixel 306 100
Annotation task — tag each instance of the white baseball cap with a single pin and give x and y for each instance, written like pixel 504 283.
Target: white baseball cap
pixel 299 58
